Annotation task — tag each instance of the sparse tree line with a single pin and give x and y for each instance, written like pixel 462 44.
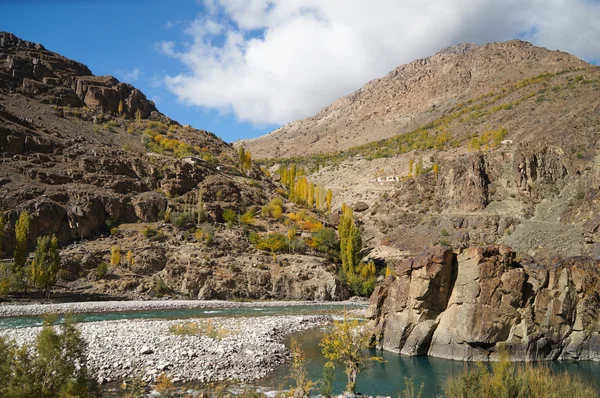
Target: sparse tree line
pixel 29 274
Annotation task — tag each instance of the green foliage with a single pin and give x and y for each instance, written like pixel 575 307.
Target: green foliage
pixel 22 236
pixel 229 215
pixel 298 371
pixel 345 344
pixel 508 380
pixel 206 233
pixel 58 370
pixel 326 240
pixel 45 264
pixel 273 242
pixel 327 379
pixel 273 209
pixel 182 220
pixel 101 270
pixel 149 232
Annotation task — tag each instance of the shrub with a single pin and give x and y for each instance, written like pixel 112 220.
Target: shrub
pixel 206 233
pixel 273 242
pixel 248 217
pixel 273 209
pixel 229 216
pixel 181 220
pixel 507 380
pixel 101 270
pixel 149 232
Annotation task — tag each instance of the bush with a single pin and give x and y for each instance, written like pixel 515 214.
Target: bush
pixel 181 220
pixel 273 242
pixel 229 216
pixel 507 380
pixel 206 233
pixel 149 232
pixel 101 270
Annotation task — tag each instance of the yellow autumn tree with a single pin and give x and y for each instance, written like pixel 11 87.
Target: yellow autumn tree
pixel 115 255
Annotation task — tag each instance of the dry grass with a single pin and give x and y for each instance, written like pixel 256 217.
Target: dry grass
pixel 208 329
pixel 507 380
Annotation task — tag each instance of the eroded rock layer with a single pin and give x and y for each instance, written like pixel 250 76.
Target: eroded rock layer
pixel 482 303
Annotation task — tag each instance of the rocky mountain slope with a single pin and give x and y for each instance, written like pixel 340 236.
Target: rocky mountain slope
pixel 412 95
pixel 511 159
pixel 96 164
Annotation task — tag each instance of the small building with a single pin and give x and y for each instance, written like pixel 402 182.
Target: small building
pixel 192 160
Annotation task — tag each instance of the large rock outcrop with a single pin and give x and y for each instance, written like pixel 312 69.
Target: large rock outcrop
pixel 482 302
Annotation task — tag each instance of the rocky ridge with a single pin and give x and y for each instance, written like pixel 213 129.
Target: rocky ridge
pixel 481 303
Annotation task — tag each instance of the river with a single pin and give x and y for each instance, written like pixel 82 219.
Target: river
pixel 379 378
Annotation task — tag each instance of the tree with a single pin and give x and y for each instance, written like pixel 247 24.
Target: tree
pixel 436 170
pixel 59 369
pixel 311 195
pixel 45 264
pixel 328 198
pixel 115 255
pixel 241 153
pixel 120 110
pixel 350 241
pixel 22 236
pixel 247 165
pixel 298 370
pixel 410 167
pixel 138 116
pixel 346 344
pixel 129 258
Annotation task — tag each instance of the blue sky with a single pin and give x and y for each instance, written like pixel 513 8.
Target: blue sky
pixel 241 68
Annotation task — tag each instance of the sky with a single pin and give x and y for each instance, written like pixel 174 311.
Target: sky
pixel 242 68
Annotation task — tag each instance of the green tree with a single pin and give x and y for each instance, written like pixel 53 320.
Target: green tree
pixel 58 369
pixel 346 344
pixel 350 241
pixel 45 264
pixel 298 371
pixel 22 237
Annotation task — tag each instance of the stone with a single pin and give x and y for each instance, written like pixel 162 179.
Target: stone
pixel 145 350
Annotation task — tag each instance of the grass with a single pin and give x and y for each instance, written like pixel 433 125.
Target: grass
pixel 207 329
pixel 507 380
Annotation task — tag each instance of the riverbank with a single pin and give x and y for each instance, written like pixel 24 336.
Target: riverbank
pixel 218 349
pixel 36 309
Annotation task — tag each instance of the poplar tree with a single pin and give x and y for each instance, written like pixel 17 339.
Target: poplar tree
pixel 45 264
pixel 120 110
pixel 328 198
pixel 311 195
pixel 22 236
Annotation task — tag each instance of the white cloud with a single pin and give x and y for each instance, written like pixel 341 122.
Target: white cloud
pixel 130 76
pixel 273 61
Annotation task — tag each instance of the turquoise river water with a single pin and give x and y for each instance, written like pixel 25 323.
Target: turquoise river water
pixel 380 378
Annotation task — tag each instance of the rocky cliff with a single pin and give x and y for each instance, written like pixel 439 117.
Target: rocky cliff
pixel 481 303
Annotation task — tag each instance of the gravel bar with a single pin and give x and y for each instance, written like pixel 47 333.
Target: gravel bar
pixel 242 349
pixel 14 310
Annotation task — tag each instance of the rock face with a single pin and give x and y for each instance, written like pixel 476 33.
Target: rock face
pixel 482 302
pixel 54 79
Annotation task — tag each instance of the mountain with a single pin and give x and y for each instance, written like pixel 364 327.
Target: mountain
pixel 476 145
pixel 95 163
pixel 412 95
